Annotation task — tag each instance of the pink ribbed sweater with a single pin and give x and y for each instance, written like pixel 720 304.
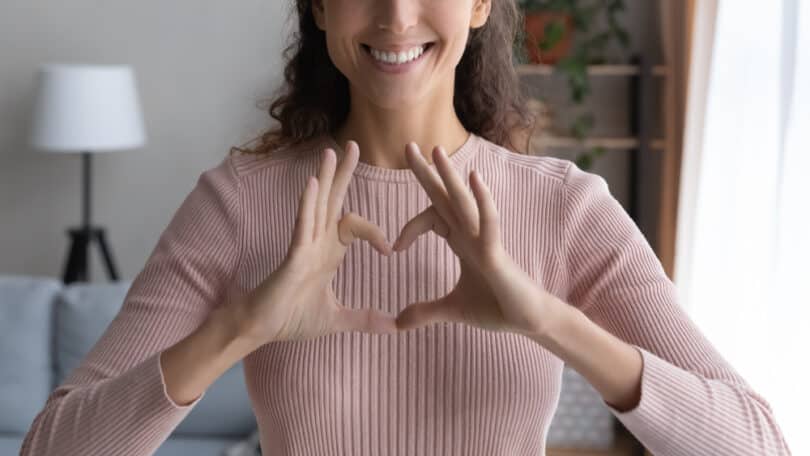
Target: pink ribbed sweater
pixel 443 389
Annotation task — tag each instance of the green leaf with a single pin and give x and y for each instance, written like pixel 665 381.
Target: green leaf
pixel 584 161
pixel 583 124
pixel 579 84
pixel 559 5
pixel 552 34
pixel 614 6
pixel 589 14
pixel 623 37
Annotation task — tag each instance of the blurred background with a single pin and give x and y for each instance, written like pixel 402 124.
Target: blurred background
pixel 697 113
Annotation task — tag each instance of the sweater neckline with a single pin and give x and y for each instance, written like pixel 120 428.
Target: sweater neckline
pixel 458 159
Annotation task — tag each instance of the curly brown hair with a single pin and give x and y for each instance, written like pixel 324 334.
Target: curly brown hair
pixel 315 99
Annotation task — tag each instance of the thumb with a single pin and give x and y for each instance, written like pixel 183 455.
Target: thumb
pixel 428 312
pixel 353 226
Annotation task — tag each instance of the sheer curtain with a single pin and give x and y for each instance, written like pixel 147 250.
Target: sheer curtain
pixel 742 262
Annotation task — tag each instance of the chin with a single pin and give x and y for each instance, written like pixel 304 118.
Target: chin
pixel 394 99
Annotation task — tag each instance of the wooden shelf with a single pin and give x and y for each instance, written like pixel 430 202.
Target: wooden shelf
pixel 593 70
pixel 624 446
pixel 607 143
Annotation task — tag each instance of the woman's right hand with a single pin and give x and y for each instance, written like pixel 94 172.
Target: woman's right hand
pixel 296 301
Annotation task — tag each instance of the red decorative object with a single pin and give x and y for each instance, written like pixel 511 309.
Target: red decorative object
pixel 535 25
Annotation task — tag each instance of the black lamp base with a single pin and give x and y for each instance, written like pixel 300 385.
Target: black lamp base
pixel 76 269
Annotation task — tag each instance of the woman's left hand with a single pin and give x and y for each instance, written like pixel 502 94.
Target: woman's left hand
pixel 493 292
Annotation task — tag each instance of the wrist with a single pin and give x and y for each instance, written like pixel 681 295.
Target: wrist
pixel 231 323
pixel 557 317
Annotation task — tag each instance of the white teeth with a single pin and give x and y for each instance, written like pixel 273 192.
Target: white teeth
pixel 397 58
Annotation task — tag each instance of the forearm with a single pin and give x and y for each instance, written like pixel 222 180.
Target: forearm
pixel 132 412
pixel 610 365
pixel 682 413
pixel 195 362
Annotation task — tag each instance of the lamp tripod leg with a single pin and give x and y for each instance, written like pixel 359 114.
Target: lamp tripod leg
pixel 112 273
pixel 76 265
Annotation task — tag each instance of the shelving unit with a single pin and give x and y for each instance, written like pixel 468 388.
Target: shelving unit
pixel 607 143
pixel 639 74
pixel 593 70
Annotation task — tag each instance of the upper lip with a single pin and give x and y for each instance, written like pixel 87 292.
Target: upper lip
pixel 399 47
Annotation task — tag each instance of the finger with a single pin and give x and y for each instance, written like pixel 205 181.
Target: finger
pixel 425 221
pixel 463 203
pixel 430 181
pixel 489 217
pixel 327 173
pixel 428 312
pixel 365 320
pixel 342 179
pixel 304 219
pixel 352 226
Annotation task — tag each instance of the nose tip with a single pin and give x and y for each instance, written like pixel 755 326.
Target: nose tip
pixel 397 27
pixel 396 16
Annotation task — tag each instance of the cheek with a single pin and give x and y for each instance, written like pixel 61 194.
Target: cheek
pixel 341 27
pixel 339 54
pixel 452 28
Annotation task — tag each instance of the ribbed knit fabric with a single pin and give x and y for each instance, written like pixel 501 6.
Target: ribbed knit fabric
pixel 445 389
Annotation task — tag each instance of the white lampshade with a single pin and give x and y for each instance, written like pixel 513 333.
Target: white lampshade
pixel 91 108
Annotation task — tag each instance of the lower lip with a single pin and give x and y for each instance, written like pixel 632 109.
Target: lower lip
pixel 397 68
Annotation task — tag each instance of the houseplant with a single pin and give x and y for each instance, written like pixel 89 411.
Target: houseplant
pixel 572 34
pixel 548 35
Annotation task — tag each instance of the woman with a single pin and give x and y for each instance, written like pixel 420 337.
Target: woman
pixel 450 340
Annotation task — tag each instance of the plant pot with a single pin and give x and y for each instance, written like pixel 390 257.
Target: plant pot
pixel 535 24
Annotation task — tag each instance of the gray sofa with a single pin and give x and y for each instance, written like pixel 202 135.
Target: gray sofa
pixel 46 328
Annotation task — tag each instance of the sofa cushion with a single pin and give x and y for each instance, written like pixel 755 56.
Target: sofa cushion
pixel 11 443
pixel 197 446
pixel 174 446
pixel 26 304
pixel 83 311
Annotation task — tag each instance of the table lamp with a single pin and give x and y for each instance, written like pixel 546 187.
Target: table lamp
pixel 86 108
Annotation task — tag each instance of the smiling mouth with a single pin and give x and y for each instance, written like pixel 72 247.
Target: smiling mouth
pixel 425 46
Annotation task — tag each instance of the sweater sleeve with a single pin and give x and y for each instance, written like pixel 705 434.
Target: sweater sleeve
pixel 115 401
pixel 692 401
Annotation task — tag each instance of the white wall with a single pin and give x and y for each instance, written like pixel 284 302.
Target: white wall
pixel 201 67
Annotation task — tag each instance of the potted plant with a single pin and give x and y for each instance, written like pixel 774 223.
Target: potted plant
pixel 548 35
pixel 564 33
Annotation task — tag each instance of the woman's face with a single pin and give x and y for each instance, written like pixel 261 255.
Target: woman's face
pixel 398 52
